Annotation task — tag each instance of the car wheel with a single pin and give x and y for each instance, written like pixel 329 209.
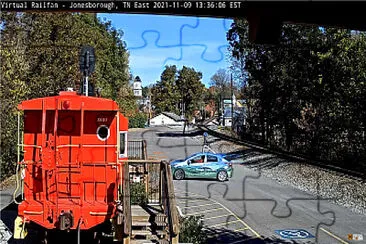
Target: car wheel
pixel 222 176
pixel 179 174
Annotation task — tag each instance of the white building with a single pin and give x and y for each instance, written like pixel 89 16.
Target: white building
pixel 227 118
pixel 137 87
pixel 166 118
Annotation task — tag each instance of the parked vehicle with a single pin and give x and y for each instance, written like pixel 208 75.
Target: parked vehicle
pixel 202 165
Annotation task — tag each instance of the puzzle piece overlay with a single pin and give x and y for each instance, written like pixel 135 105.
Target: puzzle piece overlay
pixel 186 41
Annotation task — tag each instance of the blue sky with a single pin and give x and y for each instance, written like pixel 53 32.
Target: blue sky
pixel 158 40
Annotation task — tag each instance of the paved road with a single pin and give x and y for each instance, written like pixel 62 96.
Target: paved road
pixel 249 205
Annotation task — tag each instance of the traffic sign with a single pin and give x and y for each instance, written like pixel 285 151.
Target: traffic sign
pixel 355 237
pixel 294 234
pixel 205 134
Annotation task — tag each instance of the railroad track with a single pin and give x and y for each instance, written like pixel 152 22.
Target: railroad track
pixel 289 156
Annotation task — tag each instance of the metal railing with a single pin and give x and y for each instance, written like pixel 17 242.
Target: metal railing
pixel 136 149
pixel 147 172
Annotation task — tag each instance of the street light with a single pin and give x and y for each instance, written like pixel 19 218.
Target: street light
pixel 182 107
pixel 149 97
pixel 232 105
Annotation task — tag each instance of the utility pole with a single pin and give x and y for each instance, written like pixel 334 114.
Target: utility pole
pixel 149 98
pixel 232 104
pixel 220 109
pixel 183 111
pixel 182 104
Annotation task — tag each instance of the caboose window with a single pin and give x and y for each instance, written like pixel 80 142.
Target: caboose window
pixel 122 146
pixel 103 132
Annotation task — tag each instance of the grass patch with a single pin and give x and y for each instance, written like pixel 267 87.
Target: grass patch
pixel 138 194
pixel 191 230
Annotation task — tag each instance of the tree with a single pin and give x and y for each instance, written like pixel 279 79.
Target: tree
pixel 145 91
pixel 222 87
pixel 39 57
pixel 165 93
pixel 13 87
pixel 305 93
pixel 221 79
pixel 191 89
pixel 138 120
pixel 178 91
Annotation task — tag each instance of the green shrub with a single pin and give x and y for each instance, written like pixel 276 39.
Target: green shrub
pixel 138 194
pixel 191 230
pixel 138 120
pixel 227 128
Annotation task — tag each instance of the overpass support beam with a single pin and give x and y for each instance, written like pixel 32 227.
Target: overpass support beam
pixel 264 29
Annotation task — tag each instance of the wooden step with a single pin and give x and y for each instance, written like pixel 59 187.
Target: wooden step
pixel 154 240
pixel 140 223
pixel 140 218
pixel 142 242
pixel 139 214
pixel 141 232
pixel 139 237
pixel 146 223
pixel 148 233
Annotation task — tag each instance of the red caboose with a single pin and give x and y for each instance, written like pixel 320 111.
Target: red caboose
pixel 72 173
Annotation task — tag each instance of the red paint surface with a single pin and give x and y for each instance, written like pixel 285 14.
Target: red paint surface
pixel 73 170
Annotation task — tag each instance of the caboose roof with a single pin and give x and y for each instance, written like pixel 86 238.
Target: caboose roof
pixel 73 100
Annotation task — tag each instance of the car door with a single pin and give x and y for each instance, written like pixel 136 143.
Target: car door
pixel 212 165
pixel 195 166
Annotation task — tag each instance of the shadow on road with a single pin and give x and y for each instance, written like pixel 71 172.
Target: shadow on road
pixel 229 236
pixel 9 214
pixel 200 179
pixel 180 134
pixel 254 159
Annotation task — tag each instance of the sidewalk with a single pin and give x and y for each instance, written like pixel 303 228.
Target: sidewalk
pixel 7 188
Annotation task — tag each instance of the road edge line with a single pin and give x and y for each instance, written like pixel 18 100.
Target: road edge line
pixel 333 235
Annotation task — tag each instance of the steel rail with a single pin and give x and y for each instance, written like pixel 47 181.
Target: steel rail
pixel 287 155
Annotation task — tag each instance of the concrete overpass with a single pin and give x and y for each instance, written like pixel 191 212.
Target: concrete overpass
pixel 266 17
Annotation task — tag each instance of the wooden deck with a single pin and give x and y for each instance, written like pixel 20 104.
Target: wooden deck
pixel 148 223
